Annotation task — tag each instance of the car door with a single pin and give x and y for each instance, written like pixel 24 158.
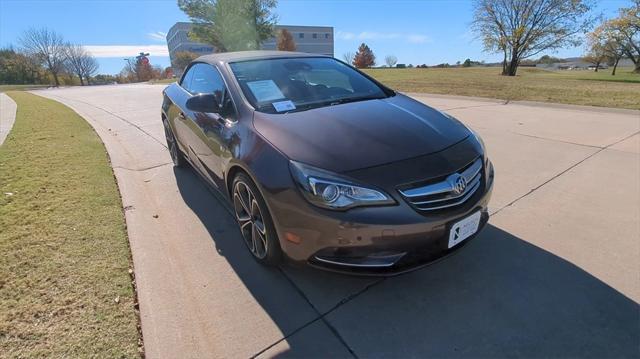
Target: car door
pixel 210 133
pixel 177 110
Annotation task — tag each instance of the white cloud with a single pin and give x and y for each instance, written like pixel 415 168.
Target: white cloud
pixel 158 36
pixel 373 35
pixel 126 50
pixel 418 39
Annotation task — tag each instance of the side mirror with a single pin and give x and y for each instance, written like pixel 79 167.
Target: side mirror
pixel 206 103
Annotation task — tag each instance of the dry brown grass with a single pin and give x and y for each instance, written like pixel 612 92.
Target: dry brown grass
pixel 63 245
pixel 569 87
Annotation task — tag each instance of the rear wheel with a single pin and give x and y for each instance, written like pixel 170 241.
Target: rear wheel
pixel 254 220
pixel 172 145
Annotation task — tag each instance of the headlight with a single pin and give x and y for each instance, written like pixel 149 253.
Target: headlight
pixel 329 190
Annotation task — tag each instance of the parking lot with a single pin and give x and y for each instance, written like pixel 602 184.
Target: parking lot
pixel 555 273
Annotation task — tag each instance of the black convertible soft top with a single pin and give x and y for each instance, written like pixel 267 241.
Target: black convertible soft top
pixel 251 55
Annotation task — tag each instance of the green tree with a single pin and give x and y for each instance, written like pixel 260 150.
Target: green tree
pixel 364 57
pixel 231 25
pixel 627 25
pixel 182 59
pixel 466 63
pixel 615 38
pixel 524 28
pixel 103 79
pixel 18 68
pixel 546 59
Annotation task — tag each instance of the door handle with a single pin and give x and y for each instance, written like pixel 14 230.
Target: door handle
pixel 224 121
pixel 181 116
pixel 220 119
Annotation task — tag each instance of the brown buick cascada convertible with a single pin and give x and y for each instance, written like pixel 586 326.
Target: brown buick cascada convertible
pixel 324 165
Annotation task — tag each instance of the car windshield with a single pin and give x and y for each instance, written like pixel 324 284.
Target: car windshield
pixel 296 84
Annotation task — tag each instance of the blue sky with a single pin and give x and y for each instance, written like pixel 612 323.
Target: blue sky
pixel 416 32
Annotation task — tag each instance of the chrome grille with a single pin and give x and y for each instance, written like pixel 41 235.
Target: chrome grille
pixel 449 192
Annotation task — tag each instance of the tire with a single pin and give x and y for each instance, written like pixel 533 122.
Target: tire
pixel 172 145
pixel 254 221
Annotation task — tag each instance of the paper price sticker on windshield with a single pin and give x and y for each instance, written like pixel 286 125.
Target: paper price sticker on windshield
pixel 282 106
pixel 265 90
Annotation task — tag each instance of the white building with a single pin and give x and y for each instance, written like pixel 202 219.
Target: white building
pixel 311 39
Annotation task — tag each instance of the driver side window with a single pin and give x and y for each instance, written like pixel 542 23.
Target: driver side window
pixel 186 79
pixel 205 79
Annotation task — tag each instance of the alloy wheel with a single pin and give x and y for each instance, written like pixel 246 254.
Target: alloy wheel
pixel 171 143
pixel 250 219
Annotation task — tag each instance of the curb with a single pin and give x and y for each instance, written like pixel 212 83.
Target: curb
pixel 8 109
pixel 623 111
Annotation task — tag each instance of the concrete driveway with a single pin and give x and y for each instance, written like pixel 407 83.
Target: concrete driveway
pixel 556 272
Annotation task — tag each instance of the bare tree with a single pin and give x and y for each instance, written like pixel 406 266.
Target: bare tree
pixel 89 66
pixel 391 60
pixel 524 28
pixel 47 47
pixel 348 57
pixel 130 70
pixel 80 62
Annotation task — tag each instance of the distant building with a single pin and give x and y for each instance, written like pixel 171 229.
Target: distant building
pixel 311 39
pixel 178 41
pixel 568 65
pixel 579 64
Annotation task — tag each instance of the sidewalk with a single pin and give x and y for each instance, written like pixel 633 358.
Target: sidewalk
pixel 7 115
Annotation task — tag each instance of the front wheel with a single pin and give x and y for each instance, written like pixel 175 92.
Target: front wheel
pixel 254 220
pixel 172 145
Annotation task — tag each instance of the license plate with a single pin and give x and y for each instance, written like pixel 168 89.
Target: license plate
pixel 464 229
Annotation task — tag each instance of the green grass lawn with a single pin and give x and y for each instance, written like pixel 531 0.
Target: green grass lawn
pixel 65 287
pixel 569 87
pixel 163 81
pixel 4 88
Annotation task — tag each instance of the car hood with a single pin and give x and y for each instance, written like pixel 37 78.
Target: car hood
pixel 357 135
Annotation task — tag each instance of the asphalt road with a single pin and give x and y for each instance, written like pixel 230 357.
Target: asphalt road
pixel 555 273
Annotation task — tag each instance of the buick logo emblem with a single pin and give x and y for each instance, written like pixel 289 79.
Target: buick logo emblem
pixel 458 183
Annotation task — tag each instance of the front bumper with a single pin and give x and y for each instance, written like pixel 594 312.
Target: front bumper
pixel 425 248
pixel 371 240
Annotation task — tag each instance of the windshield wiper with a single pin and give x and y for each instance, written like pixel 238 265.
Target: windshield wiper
pixel 312 105
pixel 339 101
pixel 353 99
